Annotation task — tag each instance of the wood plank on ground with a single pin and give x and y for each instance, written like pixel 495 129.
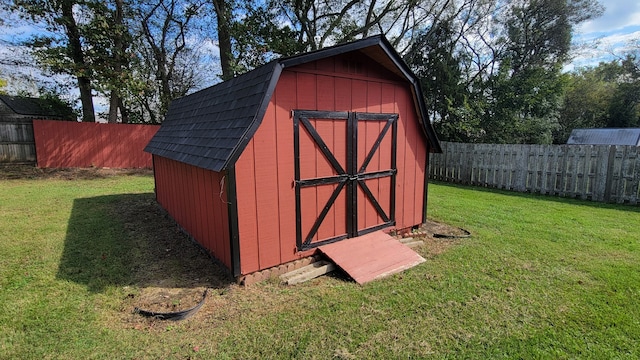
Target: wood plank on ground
pixel 372 256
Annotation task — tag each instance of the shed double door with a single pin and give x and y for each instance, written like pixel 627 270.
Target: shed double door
pixel 345 173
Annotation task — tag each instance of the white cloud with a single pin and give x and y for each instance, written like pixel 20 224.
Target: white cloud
pixel 612 35
pixel 618 15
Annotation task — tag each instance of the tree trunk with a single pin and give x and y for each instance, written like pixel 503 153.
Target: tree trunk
pixel 224 38
pixel 82 71
pixel 113 108
pixel 115 101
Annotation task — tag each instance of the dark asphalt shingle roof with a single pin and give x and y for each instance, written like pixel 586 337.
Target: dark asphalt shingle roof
pixel 203 129
pixel 34 106
pixel 211 127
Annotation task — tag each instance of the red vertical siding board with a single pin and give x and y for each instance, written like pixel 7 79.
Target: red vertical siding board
pixel 409 158
pixel 308 196
pixel 326 65
pixel 218 224
pixel 158 174
pixel 419 150
pixel 306 95
pixel 340 152
pixel 343 102
pixel 324 169
pixel 192 207
pixel 208 218
pixel 206 225
pixel 325 90
pixel 201 209
pixel 374 99
pixel 420 177
pixel 215 215
pixel 306 100
pixel 400 156
pixel 197 203
pixel 170 186
pixel 224 209
pixel 388 107
pixel 247 221
pixel 359 104
pixel 176 177
pixel 285 100
pixel 184 188
pixel 343 92
pixel 266 181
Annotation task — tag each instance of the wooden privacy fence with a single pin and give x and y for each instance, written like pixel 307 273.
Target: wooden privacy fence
pixel 61 144
pixel 605 173
pixel 16 142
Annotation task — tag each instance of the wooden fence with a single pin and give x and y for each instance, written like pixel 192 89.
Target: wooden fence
pixel 61 144
pixel 16 142
pixel 605 173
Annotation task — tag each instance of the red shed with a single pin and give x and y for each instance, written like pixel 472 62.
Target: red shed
pixel 303 151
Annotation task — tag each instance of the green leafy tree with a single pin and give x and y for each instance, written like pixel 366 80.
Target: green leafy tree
pixel 433 59
pixel 587 98
pixel 624 109
pixel 167 64
pixel 110 41
pixel 525 94
pixel 61 50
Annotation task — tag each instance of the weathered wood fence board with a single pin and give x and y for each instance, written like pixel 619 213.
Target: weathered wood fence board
pixel 16 142
pixel 61 144
pixel 605 173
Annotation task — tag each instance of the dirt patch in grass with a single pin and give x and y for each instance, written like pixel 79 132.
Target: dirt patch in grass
pixel 434 243
pixel 174 271
pixel 171 271
pixel 18 172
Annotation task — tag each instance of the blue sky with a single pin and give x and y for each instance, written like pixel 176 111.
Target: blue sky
pixel 601 39
pixel 610 35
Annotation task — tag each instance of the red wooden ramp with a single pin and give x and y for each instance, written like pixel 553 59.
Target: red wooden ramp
pixel 371 256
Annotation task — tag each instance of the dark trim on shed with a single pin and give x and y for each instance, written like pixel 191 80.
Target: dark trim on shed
pixel 234 230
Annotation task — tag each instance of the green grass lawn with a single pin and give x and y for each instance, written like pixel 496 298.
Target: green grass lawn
pixel 539 278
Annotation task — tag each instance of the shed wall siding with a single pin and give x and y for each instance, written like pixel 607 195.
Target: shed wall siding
pixel 265 170
pixel 193 197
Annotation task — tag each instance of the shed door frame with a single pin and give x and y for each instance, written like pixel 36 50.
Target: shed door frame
pixel 349 179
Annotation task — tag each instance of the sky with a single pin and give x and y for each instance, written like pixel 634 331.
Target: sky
pixel 601 39
pixel 608 36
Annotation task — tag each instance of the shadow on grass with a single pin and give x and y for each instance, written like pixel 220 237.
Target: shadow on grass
pixel 119 240
pixel 528 195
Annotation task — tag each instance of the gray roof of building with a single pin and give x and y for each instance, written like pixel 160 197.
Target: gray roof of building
pixel 210 128
pixel 23 105
pixel 628 136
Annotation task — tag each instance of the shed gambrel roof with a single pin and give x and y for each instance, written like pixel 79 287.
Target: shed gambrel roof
pixel 210 128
